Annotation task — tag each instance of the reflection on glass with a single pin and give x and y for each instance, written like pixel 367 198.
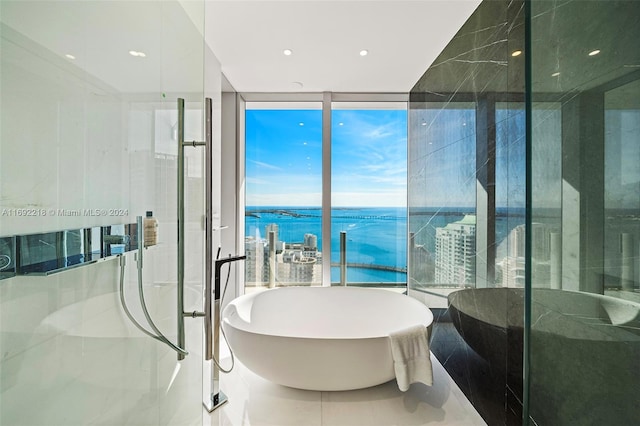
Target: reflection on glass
pixel 283 217
pixel 586 188
pixel 622 189
pixel 510 195
pixel 368 185
pixel 51 252
pixel 39 253
pixel 546 165
pixel 7 257
pixel 442 195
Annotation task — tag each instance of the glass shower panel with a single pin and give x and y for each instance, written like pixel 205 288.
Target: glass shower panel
pixel 585 311
pixel 622 191
pixel 283 213
pixel 442 219
pixel 368 192
pixel 89 97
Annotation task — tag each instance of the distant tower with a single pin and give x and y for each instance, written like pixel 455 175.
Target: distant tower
pixel 255 262
pixel 455 252
pixel 273 227
pixel 310 245
pixel 513 265
pixel 310 242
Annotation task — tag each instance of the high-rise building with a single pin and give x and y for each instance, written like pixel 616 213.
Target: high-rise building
pixel 455 253
pixel 273 227
pixel 302 270
pixel 310 245
pixel 255 271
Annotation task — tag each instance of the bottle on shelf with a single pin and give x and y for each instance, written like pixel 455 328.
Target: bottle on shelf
pixel 150 225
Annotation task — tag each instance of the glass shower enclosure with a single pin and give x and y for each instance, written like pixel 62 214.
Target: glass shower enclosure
pixel 89 143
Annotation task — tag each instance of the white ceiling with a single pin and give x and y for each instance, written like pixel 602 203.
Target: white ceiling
pixel 248 38
pixel 403 39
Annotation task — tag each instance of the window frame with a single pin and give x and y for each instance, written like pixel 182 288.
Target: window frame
pixel 327 98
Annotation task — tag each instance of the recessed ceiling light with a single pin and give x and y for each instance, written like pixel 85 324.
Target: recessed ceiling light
pixel 594 52
pixel 340 124
pixel 137 54
pixel 69 56
pixel 364 52
pixel 297 84
pixel 287 52
pixel 424 123
pixel 301 123
pixel 516 53
pixel 555 74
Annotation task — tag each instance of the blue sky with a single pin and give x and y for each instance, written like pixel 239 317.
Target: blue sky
pixel 284 158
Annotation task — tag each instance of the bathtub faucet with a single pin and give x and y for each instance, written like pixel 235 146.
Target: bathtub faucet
pixel 218 267
pixel 212 350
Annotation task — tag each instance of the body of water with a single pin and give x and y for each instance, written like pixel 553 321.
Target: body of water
pixel 375 236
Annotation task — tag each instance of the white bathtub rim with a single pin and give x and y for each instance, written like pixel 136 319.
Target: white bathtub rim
pixel 232 308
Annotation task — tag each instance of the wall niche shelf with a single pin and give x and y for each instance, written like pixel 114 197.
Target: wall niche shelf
pixel 48 253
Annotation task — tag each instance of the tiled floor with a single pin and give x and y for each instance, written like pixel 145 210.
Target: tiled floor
pixel 483 385
pixel 258 402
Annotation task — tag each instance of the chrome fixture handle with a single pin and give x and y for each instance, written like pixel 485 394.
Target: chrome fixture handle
pixel 181 221
pixel 181 337
pixel 211 314
pixel 208 235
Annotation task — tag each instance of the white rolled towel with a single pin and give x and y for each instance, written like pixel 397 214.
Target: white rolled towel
pixel 411 356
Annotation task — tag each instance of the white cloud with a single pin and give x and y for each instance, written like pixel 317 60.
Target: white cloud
pixel 265 165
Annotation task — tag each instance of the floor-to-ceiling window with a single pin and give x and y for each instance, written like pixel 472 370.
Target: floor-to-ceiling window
pixel 368 193
pixel 283 201
pixel 286 176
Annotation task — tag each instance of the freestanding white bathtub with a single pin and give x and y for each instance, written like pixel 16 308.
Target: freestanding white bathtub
pixel 320 338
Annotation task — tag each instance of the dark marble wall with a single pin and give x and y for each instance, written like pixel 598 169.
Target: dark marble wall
pixel 467 164
pixel 467 188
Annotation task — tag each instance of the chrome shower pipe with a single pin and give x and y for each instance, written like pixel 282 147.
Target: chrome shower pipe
pixel 158 336
pixel 181 220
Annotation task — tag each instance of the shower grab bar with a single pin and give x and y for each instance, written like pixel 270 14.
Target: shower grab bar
pixel 208 224
pixel 208 232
